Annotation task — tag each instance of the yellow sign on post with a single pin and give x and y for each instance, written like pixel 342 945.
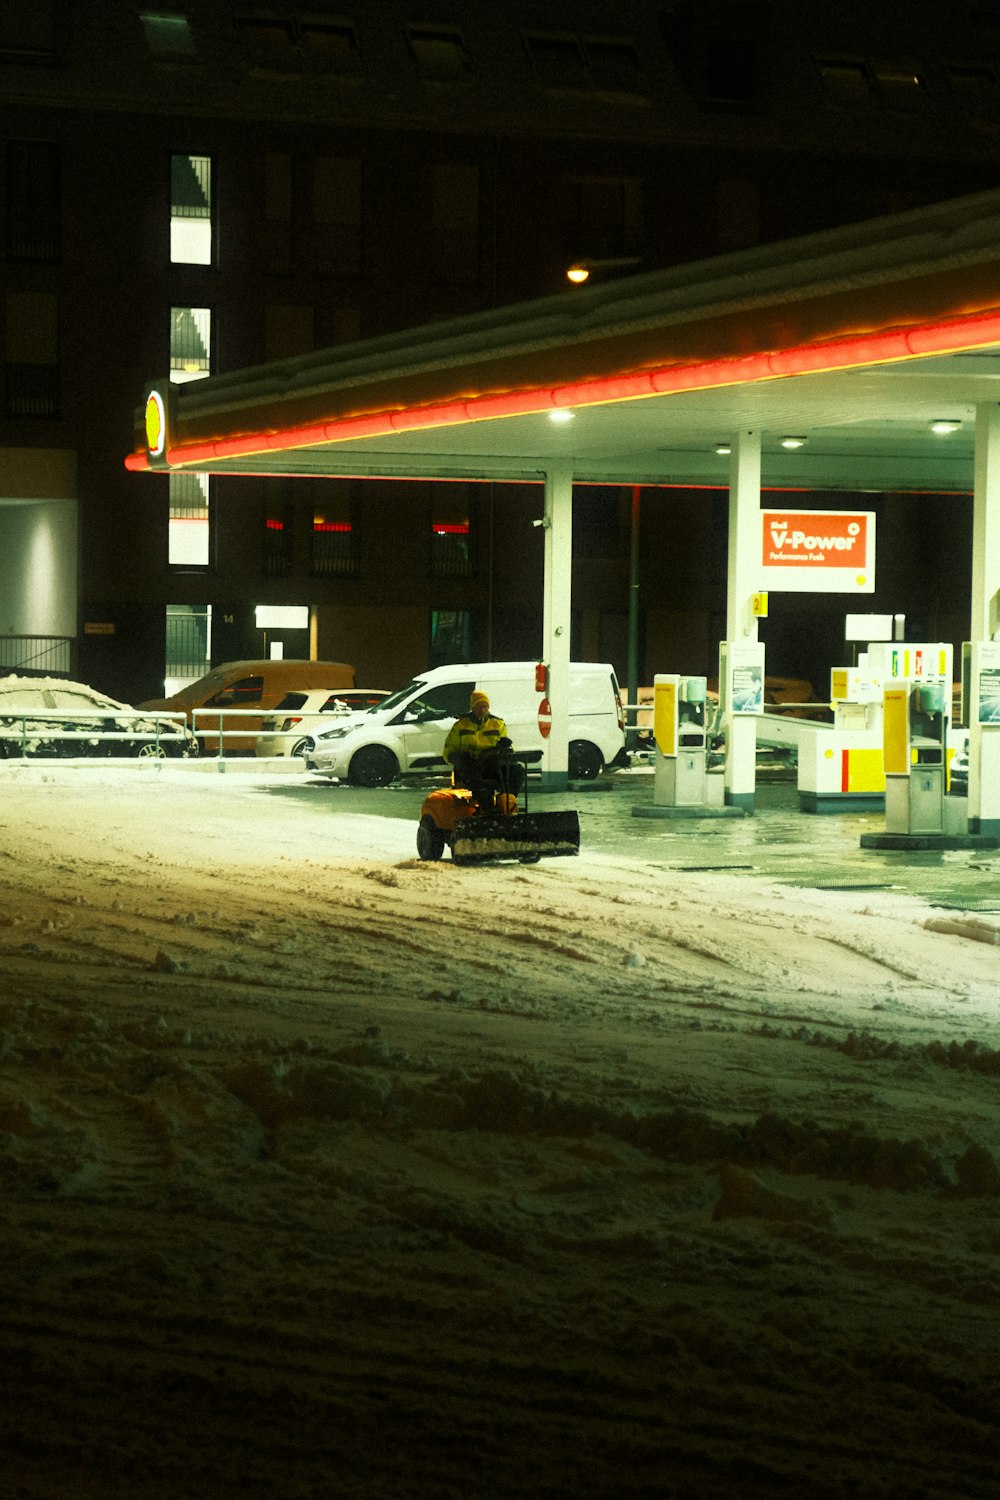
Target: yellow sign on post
pixel 665 717
pixel 760 606
pixel 896 731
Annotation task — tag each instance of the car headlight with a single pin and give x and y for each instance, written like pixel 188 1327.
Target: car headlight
pixel 333 734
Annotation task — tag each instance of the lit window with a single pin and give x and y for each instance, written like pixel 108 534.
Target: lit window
pixel 188 526
pixel 278 537
pixel 191 210
pixel 451 633
pixel 167 34
pixel 190 343
pixel 333 550
pixel 451 550
pixel 439 52
pixel 189 644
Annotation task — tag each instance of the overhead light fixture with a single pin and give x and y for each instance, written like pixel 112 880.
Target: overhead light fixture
pixel 723 448
pixel 561 414
pixel 945 424
pixel 580 270
pixel 794 442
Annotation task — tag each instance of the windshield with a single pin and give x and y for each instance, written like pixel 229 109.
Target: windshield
pixel 398 697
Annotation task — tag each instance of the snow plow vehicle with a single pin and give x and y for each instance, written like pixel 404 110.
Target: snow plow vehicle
pixel 493 824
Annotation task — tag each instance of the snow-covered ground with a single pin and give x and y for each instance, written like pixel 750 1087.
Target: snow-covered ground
pixel 326 1172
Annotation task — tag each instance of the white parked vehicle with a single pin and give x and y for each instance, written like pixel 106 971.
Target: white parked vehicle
pixel 289 727
pixel 406 732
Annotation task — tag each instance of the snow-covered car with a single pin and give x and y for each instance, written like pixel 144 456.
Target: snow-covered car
pixel 52 716
pixel 289 728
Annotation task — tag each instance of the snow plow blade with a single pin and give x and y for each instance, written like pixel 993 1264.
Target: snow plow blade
pixel 527 837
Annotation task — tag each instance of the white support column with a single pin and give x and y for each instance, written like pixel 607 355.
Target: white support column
pixel 557 619
pixel 984 626
pixel 741 622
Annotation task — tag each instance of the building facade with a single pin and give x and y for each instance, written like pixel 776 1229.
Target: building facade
pixel 203 187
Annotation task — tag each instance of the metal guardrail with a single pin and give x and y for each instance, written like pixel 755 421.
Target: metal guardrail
pixel 38 728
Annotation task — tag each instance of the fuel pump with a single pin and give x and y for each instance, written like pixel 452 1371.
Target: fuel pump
pixel 915 737
pixel 679 731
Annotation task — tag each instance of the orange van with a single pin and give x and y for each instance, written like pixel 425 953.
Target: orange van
pixel 243 685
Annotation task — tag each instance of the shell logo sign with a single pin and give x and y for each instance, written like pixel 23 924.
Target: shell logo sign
pixel 156 423
pixel 818 551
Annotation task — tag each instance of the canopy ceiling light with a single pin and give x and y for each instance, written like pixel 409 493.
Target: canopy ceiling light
pixel 945 424
pixel 794 442
pixel 580 270
pixel 723 448
pixel 561 414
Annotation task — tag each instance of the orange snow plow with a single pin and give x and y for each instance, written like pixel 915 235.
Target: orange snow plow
pixel 492 828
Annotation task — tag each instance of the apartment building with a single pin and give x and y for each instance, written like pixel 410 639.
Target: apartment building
pixel 198 187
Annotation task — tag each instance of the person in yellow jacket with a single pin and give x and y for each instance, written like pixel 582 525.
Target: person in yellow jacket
pixel 474 747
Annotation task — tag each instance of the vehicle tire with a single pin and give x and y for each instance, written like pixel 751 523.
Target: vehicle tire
pixel 302 747
pixel 373 766
pixel 585 761
pixel 430 839
pixel 149 750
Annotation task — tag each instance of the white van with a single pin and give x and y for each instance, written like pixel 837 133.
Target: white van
pixel 406 731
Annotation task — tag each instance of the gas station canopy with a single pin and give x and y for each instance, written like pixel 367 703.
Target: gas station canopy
pixel 857 341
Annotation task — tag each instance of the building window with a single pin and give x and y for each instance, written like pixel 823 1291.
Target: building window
pixel 167 35
pixel 33 201
pixel 615 68
pixel 559 63
pixel 31 360
pixel 189 525
pixel 26 29
pixel 277 212
pixel 606 218
pixel 333 541
pixel 738 211
pixel 190 343
pixel 191 210
pixel 848 82
pixel 974 87
pixel 277 540
pixel 439 53
pixel 189 644
pixel 451 634
pixel 288 331
pixel 337 211
pixel 333 41
pixel 901 87
pixel 451 539
pixel 455 222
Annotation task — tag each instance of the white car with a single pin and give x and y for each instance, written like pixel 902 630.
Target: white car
pixel 405 734
pixel 52 716
pixel 288 729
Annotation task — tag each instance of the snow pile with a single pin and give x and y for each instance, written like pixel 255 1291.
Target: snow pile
pixel 330 1172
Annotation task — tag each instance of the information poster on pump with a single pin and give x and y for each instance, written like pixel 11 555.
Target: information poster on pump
pixel 745 666
pixel 988 682
pixel 818 551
